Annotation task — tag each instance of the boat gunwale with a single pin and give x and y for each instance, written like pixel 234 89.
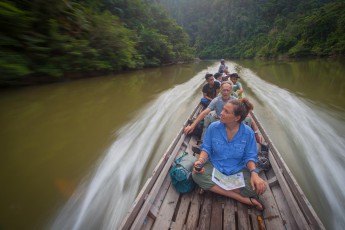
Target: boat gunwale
pixel 298 194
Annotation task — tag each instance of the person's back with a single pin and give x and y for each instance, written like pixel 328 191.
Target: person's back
pixel 222 66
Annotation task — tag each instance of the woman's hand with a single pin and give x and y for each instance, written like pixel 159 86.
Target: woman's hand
pixel 198 167
pixel 189 129
pixel 257 183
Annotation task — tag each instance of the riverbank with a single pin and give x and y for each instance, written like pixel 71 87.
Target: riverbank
pixel 40 80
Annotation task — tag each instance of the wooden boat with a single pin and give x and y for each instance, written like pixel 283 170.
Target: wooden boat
pixel 159 206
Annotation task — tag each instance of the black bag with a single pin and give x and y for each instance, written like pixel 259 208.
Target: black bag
pixel 263 161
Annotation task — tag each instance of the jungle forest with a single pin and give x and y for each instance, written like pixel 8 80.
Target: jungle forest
pixel 55 39
pixel 262 28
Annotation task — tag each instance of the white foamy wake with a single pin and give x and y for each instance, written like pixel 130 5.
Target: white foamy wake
pixel 102 201
pixel 314 131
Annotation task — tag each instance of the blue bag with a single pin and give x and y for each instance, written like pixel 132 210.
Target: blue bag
pixel 181 173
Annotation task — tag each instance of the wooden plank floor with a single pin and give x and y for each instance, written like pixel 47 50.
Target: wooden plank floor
pixel 193 210
pixel 159 206
pixel 171 210
pixel 203 211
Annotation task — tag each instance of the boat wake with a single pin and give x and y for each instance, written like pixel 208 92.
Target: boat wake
pixel 320 146
pixel 102 201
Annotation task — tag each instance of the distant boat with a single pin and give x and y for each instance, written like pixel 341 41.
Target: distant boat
pixel 159 206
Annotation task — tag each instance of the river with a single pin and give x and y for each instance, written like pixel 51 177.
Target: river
pixel 75 154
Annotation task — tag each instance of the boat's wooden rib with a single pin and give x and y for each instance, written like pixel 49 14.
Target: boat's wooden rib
pixel 159 206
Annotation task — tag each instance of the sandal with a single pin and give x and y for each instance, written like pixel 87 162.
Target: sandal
pixel 257 206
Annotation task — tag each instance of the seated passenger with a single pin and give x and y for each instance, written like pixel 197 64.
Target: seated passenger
pixel 222 66
pixel 229 146
pixel 237 86
pixel 226 74
pixel 210 89
pixel 218 77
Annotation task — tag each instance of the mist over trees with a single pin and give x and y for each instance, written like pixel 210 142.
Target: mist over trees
pixel 262 28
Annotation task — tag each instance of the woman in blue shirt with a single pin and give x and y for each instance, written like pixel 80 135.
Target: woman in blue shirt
pixel 230 147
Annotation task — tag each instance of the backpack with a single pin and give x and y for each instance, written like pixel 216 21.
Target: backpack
pixel 181 173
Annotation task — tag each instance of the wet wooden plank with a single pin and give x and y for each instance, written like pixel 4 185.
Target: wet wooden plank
pixel 166 212
pixel 288 221
pixel 206 209
pixel 193 215
pixel 229 214
pixel 217 213
pixel 272 181
pixel 271 213
pixel 148 223
pixel 295 210
pixel 160 197
pixel 254 216
pixel 182 212
pixel 284 209
pixel 243 216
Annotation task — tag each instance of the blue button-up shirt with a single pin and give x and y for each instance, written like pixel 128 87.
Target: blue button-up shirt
pixel 229 157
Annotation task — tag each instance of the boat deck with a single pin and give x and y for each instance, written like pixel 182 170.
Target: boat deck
pixel 171 210
pixel 160 206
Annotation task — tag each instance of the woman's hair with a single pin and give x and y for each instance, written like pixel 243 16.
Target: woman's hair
pixel 242 107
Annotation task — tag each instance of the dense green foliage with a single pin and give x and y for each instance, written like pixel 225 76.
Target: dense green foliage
pixel 54 37
pixel 262 28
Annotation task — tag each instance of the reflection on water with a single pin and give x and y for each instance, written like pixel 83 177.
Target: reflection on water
pixel 52 135
pixel 320 80
pixel 316 138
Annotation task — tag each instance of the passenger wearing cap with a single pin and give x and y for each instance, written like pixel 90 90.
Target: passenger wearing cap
pixel 222 66
pixel 237 86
